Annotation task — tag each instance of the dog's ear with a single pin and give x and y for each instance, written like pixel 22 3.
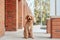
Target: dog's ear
pixel 26 17
pixel 31 17
pixel 19 0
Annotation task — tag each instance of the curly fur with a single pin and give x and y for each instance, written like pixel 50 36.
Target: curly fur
pixel 28 27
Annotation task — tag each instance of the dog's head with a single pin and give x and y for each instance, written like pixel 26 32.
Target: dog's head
pixel 29 18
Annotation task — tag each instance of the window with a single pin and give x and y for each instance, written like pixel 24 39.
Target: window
pixel 41 11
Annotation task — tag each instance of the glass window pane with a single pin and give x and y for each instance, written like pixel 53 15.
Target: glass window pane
pixel 42 11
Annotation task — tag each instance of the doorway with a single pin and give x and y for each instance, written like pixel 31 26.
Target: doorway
pixel 41 11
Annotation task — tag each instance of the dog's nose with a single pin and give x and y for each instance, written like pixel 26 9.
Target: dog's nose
pixel 28 18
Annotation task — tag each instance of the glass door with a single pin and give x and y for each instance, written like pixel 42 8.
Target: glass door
pixel 41 11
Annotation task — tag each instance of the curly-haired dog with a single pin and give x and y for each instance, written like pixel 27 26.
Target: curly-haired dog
pixel 28 27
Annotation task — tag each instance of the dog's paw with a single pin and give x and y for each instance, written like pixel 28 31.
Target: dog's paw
pixel 26 37
pixel 32 37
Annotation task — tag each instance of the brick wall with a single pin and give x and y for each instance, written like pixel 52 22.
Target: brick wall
pixel 48 25
pixel 55 27
pixel 10 15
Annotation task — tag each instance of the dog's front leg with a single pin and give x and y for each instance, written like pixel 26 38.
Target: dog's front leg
pixel 30 32
pixel 25 33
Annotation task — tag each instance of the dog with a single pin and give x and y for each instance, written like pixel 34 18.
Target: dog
pixel 28 33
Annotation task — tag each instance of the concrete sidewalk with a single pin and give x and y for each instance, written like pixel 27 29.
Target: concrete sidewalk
pixel 19 36
pixel 39 34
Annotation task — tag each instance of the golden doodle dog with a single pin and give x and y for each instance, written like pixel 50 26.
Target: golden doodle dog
pixel 28 33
